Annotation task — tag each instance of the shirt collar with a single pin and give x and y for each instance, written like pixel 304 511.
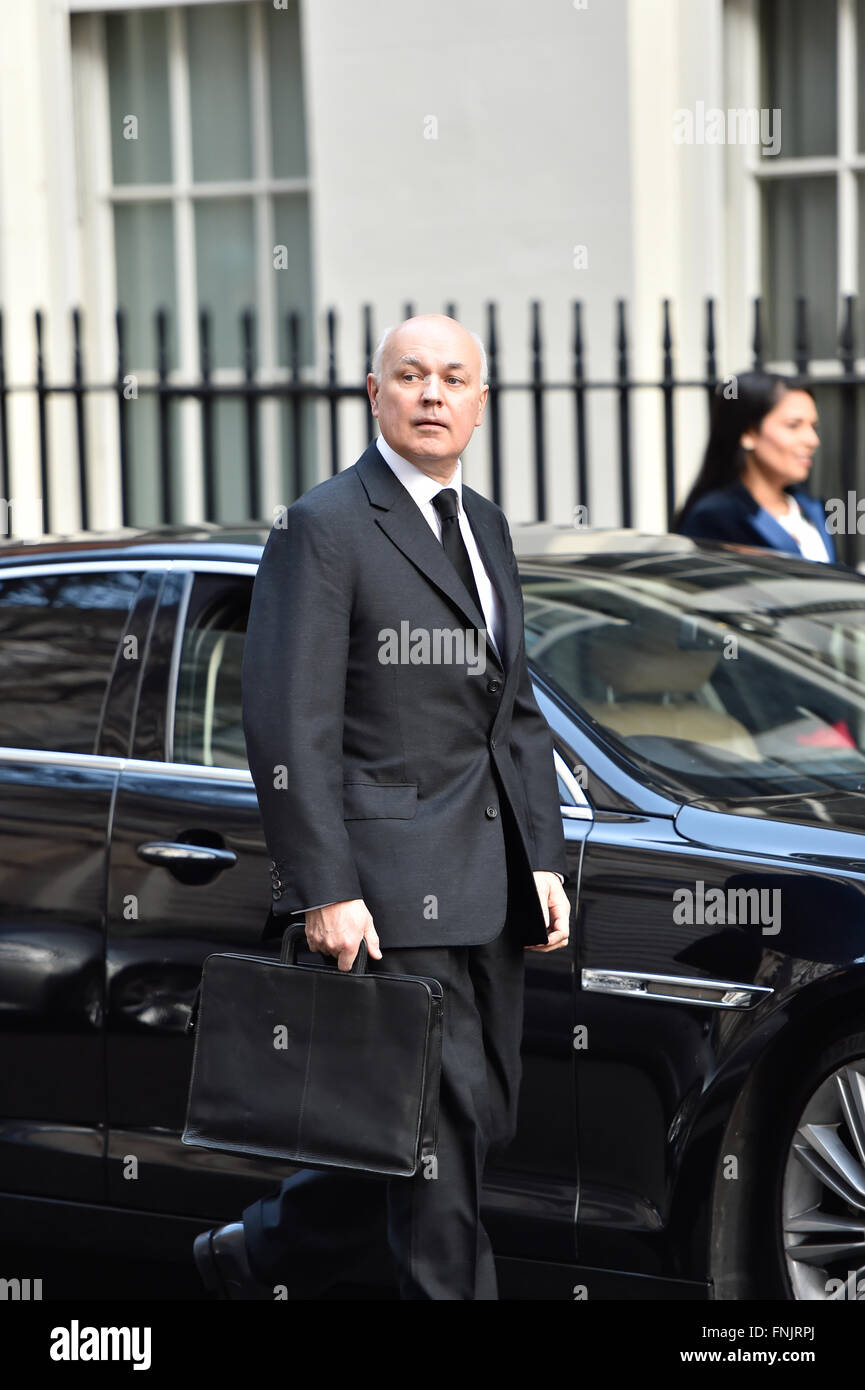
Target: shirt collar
pixel 422 487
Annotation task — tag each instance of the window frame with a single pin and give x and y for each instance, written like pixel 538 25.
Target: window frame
pixel 223 570
pixel 98 195
pixel 749 172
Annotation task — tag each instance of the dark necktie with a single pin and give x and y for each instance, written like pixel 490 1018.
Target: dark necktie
pixel 445 503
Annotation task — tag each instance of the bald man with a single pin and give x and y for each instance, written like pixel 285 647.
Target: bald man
pixel 385 667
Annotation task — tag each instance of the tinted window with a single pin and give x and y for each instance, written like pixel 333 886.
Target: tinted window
pixel 721 680
pixel 208 727
pixel 58 637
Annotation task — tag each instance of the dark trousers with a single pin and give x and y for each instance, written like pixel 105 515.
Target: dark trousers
pixel 309 1231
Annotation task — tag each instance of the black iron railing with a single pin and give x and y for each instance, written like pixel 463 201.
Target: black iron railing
pixel 295 389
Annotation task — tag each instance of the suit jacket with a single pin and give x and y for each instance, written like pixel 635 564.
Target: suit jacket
pixel 428 790
pixel 734 514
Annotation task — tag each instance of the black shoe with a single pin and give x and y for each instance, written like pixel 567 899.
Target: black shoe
pixel 222 1260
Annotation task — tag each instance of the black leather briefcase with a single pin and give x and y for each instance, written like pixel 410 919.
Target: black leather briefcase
pixel 315 1065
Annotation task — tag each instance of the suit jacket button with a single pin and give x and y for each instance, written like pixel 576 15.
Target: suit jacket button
pixel 492 812
pixel 277 892
pixel 494 685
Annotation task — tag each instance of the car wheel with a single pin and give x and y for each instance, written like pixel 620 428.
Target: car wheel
pixel 820 1192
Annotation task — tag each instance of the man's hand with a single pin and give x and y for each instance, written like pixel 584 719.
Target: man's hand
pixel 338 929
pixel 556 910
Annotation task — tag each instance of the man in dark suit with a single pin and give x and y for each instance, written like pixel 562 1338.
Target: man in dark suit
pixel 409 798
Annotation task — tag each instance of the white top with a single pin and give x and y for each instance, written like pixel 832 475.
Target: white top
pixel 804 532
pixel 423 489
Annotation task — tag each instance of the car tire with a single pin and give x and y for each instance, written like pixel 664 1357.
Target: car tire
pixel 800 1179
pixel 819 1190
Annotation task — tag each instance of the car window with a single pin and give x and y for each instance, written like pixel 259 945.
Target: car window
pixel 758 687
pixel 59 635
pixel 208 727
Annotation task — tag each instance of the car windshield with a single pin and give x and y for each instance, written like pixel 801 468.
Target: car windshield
pixel 720 678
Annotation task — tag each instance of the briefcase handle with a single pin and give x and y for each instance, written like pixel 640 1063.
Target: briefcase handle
pixel 292 938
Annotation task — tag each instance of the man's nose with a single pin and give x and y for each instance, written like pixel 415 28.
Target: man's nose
pixel 432 387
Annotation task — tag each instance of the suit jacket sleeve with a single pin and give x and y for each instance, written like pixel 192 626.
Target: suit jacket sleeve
pixel 293 698
pixel 713 521
pixel 531 747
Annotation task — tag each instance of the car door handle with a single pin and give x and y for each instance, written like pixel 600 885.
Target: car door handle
pixel 170 853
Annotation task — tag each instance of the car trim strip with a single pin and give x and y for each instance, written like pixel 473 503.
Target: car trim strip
pixel 581 810
pixel 148 767
pixel 174 668
pixel 676 989
pixel 116 764
pixel 131 564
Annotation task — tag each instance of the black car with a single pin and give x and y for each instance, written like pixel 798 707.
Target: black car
pixel 692 1119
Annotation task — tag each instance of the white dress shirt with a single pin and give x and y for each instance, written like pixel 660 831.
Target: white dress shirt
pixel 804 532
pixel 422 489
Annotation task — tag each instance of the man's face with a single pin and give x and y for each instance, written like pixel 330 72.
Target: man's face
pixel 430 399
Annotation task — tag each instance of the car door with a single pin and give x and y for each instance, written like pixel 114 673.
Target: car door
pixel 188 876
pixel 61 629
pixel 655 984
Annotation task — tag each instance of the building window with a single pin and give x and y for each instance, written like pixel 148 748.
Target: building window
pixel 796 218
pixel 192 144
pixel 801 187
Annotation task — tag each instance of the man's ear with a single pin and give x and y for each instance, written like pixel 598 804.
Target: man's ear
pixel 485 391
pixel 372 392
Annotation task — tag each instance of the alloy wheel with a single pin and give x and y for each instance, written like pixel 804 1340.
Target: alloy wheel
pixel 823 1191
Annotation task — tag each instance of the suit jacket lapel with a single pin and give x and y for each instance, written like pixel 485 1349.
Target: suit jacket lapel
pixel 763 522
pixel 402 521
pixel 773 532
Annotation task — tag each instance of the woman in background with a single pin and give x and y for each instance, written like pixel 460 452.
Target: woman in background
pixel 750 488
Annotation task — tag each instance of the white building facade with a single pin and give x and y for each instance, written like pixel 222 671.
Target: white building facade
pixel 303 155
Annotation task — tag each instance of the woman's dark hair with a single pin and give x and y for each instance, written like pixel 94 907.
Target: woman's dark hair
pixel 739 404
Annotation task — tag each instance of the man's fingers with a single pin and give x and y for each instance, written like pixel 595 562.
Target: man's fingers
pixel 560 913
pixel 338 929
pixel 544 901
pixel 555 940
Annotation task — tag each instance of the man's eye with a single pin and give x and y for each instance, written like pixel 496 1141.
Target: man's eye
pixel 457 379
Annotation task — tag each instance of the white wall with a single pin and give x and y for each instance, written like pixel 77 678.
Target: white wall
pixel 553 131
pixel 531 159
pixel 38 243
pixel 677 250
